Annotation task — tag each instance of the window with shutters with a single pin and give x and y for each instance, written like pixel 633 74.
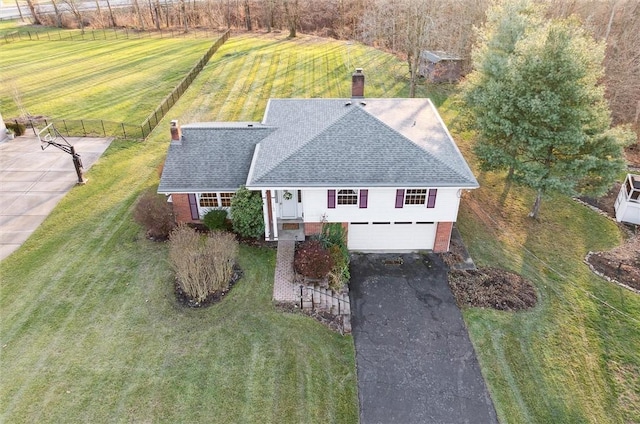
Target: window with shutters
pixel 415 196
pixel 347 197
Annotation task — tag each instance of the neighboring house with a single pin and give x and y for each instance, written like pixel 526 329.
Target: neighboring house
pixel 627 203
pixel 438 66
pixel 387 169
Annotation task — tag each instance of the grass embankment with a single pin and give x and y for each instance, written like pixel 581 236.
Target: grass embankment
pixel 575 357
pixel 90 330
pixel 112 80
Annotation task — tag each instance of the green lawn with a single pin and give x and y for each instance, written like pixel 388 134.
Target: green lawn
pixel 113 80
pixel 90 330
pixel 575 357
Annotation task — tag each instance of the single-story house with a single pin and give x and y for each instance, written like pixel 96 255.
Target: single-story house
pixel 387 169
pixel 439 66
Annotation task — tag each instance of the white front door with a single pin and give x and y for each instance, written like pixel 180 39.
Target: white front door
pixel 289 204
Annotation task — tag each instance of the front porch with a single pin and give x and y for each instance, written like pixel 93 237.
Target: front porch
pixel 283 215
pixel 289 229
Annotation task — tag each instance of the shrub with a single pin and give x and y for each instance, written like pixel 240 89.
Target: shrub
pixel 215 219
pixel 334 238
pixel 203 263
pixel 155 214
pixel 246 212
pixel 17 128
pixel 312 260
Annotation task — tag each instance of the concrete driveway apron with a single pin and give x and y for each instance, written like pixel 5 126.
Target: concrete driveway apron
pixel 415 361
pixel 33 181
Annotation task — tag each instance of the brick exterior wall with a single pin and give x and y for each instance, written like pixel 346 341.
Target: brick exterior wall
pixel 313 228
pixel 443 236
pixel 181 208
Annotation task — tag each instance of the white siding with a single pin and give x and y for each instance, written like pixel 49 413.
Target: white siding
pixel 380 208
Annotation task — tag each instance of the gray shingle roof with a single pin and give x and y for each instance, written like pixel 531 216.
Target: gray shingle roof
pixel 385 142
pixel 211 157
pixel 320 143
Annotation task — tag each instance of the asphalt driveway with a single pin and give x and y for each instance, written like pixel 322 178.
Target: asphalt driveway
pixel 414 358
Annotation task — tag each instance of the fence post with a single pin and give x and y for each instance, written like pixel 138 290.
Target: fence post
pixel 124 132
pixel 104 133
pixel 65 127
pixel 83 130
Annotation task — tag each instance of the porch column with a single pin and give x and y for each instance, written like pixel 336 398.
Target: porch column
pixel 274 215
pixel 266 203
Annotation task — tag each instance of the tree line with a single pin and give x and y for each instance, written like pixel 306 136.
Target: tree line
pixel 404 27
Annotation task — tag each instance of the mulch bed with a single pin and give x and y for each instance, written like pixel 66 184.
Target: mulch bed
pixel 216 297
pixel 492 288
pixel 621 265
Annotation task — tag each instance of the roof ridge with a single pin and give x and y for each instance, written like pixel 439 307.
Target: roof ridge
pixel 301 145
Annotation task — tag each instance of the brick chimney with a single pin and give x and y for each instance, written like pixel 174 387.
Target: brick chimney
pixel 176 133
pixel 357 84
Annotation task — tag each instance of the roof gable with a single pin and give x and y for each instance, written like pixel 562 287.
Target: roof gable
pixel 380 142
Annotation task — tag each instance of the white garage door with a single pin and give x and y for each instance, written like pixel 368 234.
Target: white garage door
pixel 391 235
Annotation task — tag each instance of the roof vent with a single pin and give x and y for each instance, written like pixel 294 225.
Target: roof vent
pixel 348 104
pixel 250 125
pixel 363 103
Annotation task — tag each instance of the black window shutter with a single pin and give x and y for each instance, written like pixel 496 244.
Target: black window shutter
pixel 193 204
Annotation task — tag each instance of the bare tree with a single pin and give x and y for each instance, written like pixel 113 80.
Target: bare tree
pixel 74 7
pixel 139 12
pixel 56 10
pixel 34 12
pixel 292 14
pixel 417 31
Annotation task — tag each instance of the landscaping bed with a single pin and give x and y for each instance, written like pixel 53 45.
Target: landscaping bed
pixel 621 264
pixel 492 288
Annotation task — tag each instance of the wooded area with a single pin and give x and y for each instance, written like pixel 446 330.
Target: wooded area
pixel 404 27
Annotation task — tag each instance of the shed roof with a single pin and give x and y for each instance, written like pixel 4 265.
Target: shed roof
pixel 438 55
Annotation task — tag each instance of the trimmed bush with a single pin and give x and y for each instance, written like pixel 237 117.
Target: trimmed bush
pixel 312 260
pixel 155 214
pixel 334 237
pixel 246 213
pixel 215 219
pixel 17 128
pixel 203 263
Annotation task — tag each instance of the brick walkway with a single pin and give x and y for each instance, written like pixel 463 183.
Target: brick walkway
pixel 284 290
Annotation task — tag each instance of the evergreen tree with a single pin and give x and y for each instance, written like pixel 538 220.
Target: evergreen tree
pixel 537 105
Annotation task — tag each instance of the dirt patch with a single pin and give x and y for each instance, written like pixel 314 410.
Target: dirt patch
pixel 216 297
pixel 605 203
pixel 329 320
pixel 632 154
pixel 454 256
pixel 621 265
pixel 492 288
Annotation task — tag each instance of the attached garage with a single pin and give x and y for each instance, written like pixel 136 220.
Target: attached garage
pixel 389 236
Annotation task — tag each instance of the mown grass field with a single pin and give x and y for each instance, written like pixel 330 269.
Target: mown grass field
pixel 575 357
pixel 90 330
pixel 112 80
